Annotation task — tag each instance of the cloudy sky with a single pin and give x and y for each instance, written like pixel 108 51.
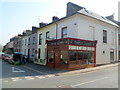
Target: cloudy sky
pixel 19 15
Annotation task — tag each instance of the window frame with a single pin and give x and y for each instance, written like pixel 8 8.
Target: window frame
pixel 104 36
pixel 40 39
pixel 118 39
pixel 47 34
pixel 29 41
pixel 62 34
pixel 33 40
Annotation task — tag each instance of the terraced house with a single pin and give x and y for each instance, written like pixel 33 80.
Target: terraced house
pixel 46 32
pixel 32 44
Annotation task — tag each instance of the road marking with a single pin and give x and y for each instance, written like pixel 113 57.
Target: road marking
pixel 89 82
pixel 50 75
pixel 29 78
pixel 16 79
pixel 17 70
pixel 40 77
pixel 34 70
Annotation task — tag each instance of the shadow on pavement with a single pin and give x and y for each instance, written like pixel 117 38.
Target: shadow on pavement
pixel 28 69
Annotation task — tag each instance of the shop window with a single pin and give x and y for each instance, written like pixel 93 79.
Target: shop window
pixel 80 55
pixel 85 57
pixel 91 58
pixel 64 57
pixel 72 55
pixel 50 56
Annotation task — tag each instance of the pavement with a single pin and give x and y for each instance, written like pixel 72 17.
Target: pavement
pixel 23 76
pixel 31 69
pixel 89 69
pixel 102 78
pixel 57 72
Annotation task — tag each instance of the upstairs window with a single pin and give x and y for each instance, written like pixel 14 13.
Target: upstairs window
pixel 64 32
pixel 104 36
pixel 119 39
pixel 25 42
pixel 40 39
pixel 47 35
pixel 33 40
pixel 29 41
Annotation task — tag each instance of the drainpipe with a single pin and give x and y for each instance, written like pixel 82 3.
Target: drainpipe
pixel 56 29
pixel 116 45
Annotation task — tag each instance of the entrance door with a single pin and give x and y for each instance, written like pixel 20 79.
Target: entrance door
pixel 28 55
pixel 111 56
pixel 57 58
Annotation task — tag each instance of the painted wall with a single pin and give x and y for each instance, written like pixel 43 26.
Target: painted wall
pixel 52 29
pixel 32 46
pixel 25 47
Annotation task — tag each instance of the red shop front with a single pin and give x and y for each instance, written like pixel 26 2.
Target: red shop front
pixel 71 53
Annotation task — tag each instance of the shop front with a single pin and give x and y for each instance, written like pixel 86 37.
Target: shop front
pixel 70 53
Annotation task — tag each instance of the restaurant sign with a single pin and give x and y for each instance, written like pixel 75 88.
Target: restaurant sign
pixel 71 42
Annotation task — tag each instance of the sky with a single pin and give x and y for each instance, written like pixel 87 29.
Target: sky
pixel 17 16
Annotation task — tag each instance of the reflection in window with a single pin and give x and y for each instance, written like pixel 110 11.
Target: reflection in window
pixel 80 55
pixel 85 57
pixel 72 55
pixel 91 57
pixel 64 57
pixel 50 56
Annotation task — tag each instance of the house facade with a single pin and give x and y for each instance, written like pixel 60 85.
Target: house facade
pixel 85 25
pixel 17 44
pixel 32 44
pixel 44 33
pixel 24 44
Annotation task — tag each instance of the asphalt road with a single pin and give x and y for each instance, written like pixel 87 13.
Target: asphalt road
pixel 28 69
pixel 104 78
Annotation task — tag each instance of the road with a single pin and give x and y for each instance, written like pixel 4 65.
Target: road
pixel 104 78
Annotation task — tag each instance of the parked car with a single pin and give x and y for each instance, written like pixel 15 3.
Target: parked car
pixel 16 58
pixel 6 57
pixel 1 54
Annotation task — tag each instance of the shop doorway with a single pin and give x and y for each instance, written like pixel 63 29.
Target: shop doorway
pixel 56 58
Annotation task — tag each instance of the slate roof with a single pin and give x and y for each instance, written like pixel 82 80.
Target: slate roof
pixel 96 16
pixel 73 9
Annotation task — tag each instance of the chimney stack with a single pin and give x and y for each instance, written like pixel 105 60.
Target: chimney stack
pixel 34 29
pixel 55 18
pixel 42 24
